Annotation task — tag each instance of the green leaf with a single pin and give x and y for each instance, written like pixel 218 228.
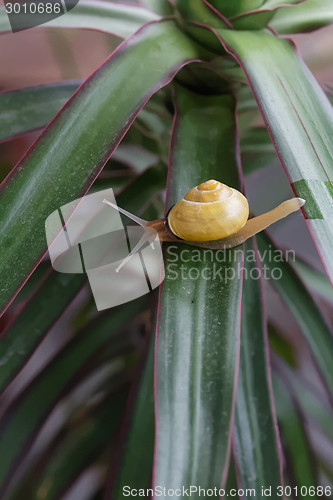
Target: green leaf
pixel 309 16
pixel 251 162
pixel 299 118
pixel 35 281
pixel 259 17
pixel 255 432
pixel 44 309
pixel 246 102
pixel 281 346
pixel 118 19
pixel 273 4
pixel 200 12
pixel 235 7
pixel 135 157
pixel 256 140
pixel 286 282
pixel 32 107
pixel 310 401
pixel 198 322
pixel 248 14
pixel 197 15
pixel 134 197
pixel 136 463
pixel 295 438
pixel 232 477
pixel 256 149
pixel 83 445
pixel 22 421
pixel 161 7
pixel 87 432
pixel 72 150
pixel 329 92
pixel 253 21
pixel 315 280
pixel 59 289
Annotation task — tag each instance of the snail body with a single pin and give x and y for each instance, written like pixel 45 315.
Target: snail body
pixel 208 212
pixel 211 215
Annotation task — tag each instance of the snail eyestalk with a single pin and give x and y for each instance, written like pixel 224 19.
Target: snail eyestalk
pixel 133 217
pixel 148 235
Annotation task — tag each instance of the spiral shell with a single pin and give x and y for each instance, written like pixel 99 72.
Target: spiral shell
pixel 209 212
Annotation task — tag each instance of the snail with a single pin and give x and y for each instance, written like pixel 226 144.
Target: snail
pixel 211 215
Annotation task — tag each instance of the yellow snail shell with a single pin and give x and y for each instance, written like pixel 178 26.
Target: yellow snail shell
pixel 208 212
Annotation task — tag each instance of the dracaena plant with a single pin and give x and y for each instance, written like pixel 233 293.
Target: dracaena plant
pixel 170 98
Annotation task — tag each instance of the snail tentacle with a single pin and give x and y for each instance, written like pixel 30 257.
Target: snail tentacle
pixel 133 217
pixel 148 235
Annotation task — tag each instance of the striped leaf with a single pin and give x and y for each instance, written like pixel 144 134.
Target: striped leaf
pixel 311 15
pixel 32 107
pixel 299 119
pixel 16 347
pixel 302 306
pixel 315 280
pixel 23 419
pixel 256 441
pixel 118 19
pixel 198 323
pixel 260 15
pixel 73 450
pixel 299 457
pixel 134 468
pixel 73 149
